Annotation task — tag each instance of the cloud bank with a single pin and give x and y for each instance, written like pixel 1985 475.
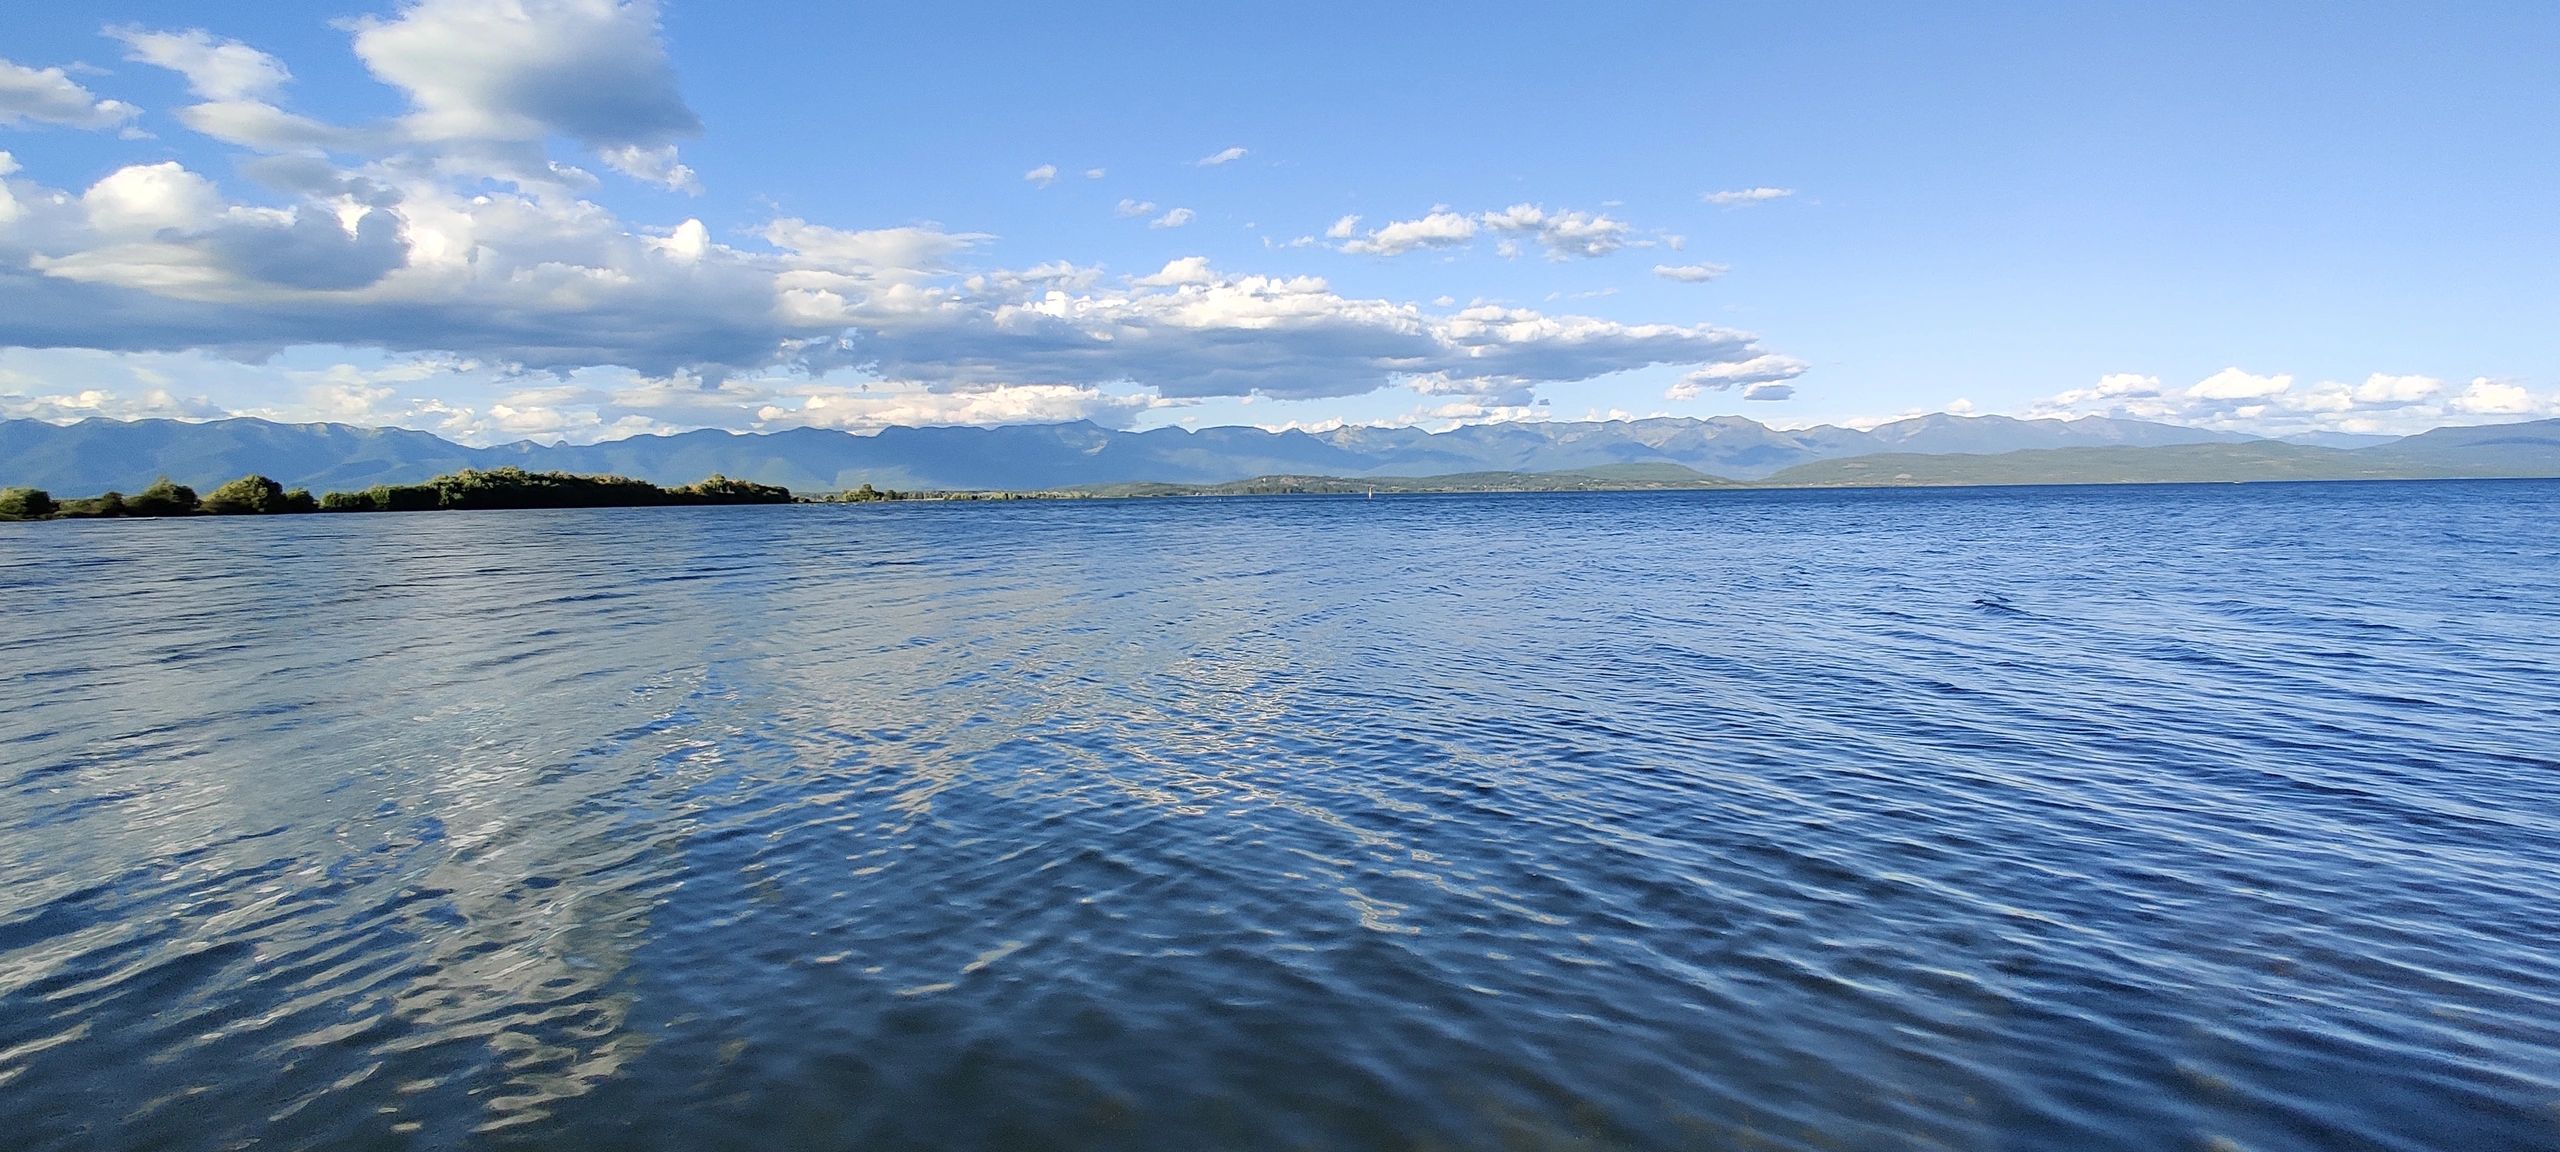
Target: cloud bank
pixel 460 231
pixel 2234 399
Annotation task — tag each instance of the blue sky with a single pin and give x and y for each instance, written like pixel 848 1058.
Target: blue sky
pixel 579 218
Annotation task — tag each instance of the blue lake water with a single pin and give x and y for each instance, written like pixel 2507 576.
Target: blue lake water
pixel 2126 818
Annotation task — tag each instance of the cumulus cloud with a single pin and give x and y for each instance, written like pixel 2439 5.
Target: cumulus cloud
pixel 1042 176
pixel 1439 229
pixel 1689 273
pixel 311 249
pixel 651 165
pixel 1756 376
pixel 2274 405
pixel 875 406
pixel 1735 196
pixel 51 96
pixel 490 80
pixel 1562 234
pixel 215 69
pixel 1186 270
pixel 239 86
pixel 1095 173
pixel 1129 208
pixel 65 408
pixel 2234 384
pixel 1222 156
pixel 2500 398
pixel 449 234
pixel 144 199
pixel 1191 331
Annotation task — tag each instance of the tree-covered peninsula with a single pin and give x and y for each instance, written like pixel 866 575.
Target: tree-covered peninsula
pixel 469 489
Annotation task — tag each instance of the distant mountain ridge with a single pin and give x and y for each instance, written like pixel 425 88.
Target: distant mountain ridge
pixel 98 454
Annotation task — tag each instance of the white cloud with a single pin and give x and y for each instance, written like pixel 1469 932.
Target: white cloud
pixel 1563 234
pixel 1095 173
pixel 1186 270
pixel 51 96
pixel 1439 229
pixel 1130 208
pixel 2235 400
pixel 144 199
pixel 877 406
pixel 686 243
pixel 1747 196
pixel 1222 156
pixel 1204 333
pixel 2498 398
pixel 2234 384
pixel 1042 176
pixel 2381 389
pixel 651 165
pixel 1769 392
pixel 1747 374
pixel 218 70
pixel 836 257
pixel 1689 273
pixel 94 403
pixel 490 80
pixel 392 239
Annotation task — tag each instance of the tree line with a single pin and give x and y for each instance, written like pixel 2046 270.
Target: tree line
pixel 471 488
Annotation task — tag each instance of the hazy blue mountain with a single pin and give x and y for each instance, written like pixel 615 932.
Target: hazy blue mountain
pixel 2527 449
pixel 2337 439
pixel 1940 432
pixel 95 455
pixel 2508 450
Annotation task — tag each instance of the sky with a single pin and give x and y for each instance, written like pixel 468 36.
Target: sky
pixel 582 219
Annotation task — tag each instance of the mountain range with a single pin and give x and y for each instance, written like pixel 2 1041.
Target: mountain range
pixel 99 454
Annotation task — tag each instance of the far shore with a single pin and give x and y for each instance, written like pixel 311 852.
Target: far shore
pixel 513 488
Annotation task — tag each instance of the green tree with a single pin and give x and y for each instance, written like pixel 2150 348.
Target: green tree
pixel 404 498
pixel 299 500
pixel 719 489
pixel 251 495
pixel 349 502
pixel 26 504
pixel 110 504
pixel 163 498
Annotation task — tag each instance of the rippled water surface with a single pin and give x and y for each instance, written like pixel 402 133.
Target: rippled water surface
pixel 2029 819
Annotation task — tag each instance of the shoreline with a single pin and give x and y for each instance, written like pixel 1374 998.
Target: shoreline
pixel 134 507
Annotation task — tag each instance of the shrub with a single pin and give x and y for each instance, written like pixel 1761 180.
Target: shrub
pixel 298 501
pixel 25 504
pixel 247 496
pixel 349 502
pixel 720 489
pixel 111 504
pixel 516 488
pixel 162 498
pixel 403 498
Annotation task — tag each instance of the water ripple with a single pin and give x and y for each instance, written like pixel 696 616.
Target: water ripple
pixel 2103 818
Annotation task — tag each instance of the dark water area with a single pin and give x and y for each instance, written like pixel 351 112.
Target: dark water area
pixel 2123 818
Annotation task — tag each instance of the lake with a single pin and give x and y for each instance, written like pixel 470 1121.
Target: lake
pixel 2103 818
